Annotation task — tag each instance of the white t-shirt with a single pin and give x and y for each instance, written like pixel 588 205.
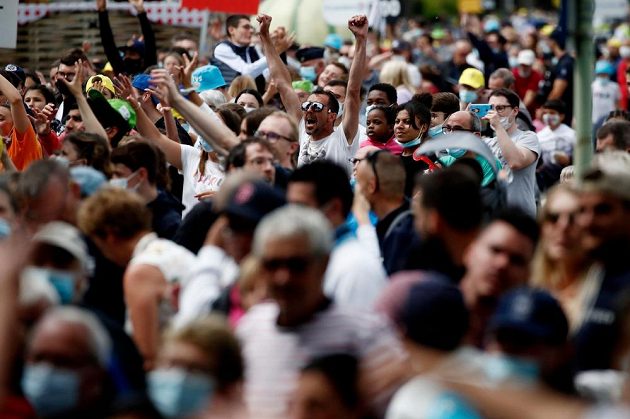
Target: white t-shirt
pixel 551 141
pixel 521 191
pixel 605 98
pixel 335 148
pixel 194 181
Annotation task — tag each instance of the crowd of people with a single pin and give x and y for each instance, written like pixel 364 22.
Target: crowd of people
pixel 369 228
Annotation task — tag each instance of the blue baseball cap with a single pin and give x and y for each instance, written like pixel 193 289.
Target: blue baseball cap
pixel 89 179
pixel 208 77
pixel 530 313
pixel 604 67
pixel 333 41
pixel 141 81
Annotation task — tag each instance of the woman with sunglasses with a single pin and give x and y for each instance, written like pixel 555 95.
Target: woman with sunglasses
pixel 560 264
pixel 411 128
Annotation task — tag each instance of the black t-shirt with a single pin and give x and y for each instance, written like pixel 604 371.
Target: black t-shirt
pixel 563 70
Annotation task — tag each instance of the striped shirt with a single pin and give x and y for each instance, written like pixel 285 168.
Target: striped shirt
pixel 274 355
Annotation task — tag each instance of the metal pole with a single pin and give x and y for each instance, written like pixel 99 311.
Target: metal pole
pixel 581 18
pixel 203 35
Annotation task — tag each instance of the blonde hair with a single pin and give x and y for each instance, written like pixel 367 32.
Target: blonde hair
pixel 239 84
pixel 215 339
pixel 547 273
pixel 116 211
pixel 396 74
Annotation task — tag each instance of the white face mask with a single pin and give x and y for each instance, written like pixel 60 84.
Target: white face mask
pixel 551 120
pixel 340 113
pixel 624 51
pixel 123 182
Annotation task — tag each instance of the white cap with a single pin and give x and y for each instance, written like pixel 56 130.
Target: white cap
pixel 67 237
pixel 526 57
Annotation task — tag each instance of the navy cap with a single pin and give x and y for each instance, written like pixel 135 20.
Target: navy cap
pixel 14 74
pixel 400 45
pixel 531 313
pixel 435 314
pixel 137 46
pixel 253 200
pixel 309 53
pixel 560 36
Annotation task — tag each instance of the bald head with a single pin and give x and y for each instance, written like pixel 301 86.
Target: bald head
pixel 463 121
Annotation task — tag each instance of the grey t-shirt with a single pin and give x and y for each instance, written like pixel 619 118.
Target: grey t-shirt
pixel 521 191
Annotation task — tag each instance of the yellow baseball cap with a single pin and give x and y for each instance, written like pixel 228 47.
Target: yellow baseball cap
pixel 473 78
pixel 106 82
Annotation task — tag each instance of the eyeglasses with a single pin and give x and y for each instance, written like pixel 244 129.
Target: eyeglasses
pixel 313 106
pixel 373 159
pixel 271 136
pixel 68 76
pixel 553 217
pixel 295 264
pixel 501 108
pixel 447 129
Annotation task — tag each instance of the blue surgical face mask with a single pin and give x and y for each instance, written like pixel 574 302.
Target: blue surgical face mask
pixel 50 390
pixel 5 228
pixel 409 144
pixel 64 283
pixel 603 80
pixel 499 368
pixel 435 131
pixel 308 73
pixel 205 146
pixel 513 61
pixel 467 96
pixel 178 393
pixel 456 152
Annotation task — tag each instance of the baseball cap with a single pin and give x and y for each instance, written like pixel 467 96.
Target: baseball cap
pixel 208 77
pixel 435 315
pixel 252 200
pixel 141 81
pixel 309 53
pixel 604 67
pixel 491 25
pixel 333 41
pixel 400 45
pixel 305 85
pixel 66 237
pixel 89 179
pixel 609 174
pixel 105 81
pixel 526 57
pixel 473 78
pixel 16 71
pixel 530 313
pixel 137 46
pixel 125 110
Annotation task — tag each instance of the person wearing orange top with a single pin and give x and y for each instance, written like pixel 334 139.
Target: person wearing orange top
pixel 14 123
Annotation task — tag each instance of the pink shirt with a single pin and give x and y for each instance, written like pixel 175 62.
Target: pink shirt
pixel 391 145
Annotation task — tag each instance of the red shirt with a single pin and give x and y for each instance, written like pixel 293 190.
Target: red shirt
pixel 523 84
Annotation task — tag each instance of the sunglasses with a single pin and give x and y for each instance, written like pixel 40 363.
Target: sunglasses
pixel 313 106
pixel 554 217
pixel 294 264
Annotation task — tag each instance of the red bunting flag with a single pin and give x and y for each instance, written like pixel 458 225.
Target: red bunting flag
pixel 246 7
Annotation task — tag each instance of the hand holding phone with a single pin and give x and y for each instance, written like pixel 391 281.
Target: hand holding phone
pixel 481 109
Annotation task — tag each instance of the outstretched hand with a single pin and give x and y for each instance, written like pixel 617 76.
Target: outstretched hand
pixel 187 69
pixel 358 25
pixel 164 85
pixel 76 85
pixel 101 5
pixel 138 5
pixel 265 22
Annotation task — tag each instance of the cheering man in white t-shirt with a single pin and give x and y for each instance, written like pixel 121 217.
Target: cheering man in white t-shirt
pixel 318 137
